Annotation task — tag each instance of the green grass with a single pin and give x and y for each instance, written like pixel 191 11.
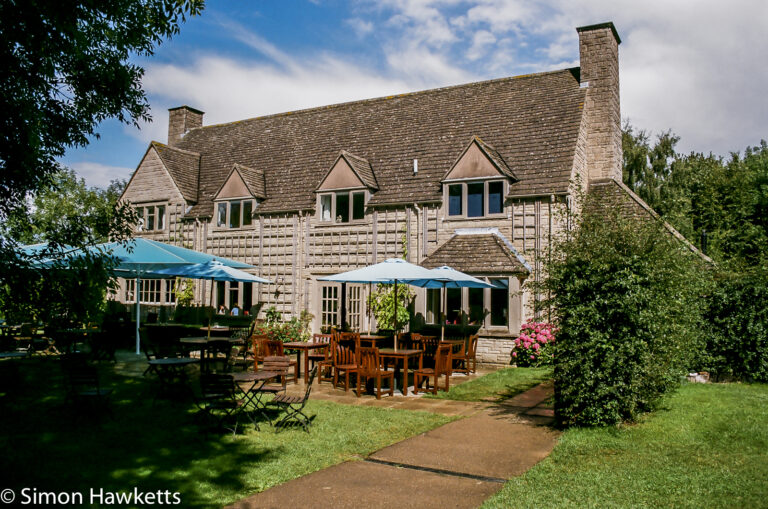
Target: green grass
pixel 498 385
pixel 707 448
pixel 161 447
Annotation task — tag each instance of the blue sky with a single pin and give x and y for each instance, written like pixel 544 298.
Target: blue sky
pixel 696 67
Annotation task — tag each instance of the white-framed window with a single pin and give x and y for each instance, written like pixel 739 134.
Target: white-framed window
pixel 235 213
pixel 342 206
pixel 150 218
pixel 475 198
pixel 330 304
pixel 170 291
pixel 152 291
pixel 355 306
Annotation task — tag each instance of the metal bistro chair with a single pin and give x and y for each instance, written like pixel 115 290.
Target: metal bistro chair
pixel 274 347
pixel 294 406
pixel 218 400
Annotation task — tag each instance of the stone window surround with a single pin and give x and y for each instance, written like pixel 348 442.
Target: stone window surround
pixel 463 182
pixel 228 202
pixel 486 327
pixel 156 207
pixel 333 194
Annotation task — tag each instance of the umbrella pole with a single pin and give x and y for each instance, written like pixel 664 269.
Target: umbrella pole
pixel 210 305
pixel 443 305
pixel 396 334
pixel 138 316
pixel 369 309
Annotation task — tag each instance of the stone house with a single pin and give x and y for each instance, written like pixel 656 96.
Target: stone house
pixel 478 176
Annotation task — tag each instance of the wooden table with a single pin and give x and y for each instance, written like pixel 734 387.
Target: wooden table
pixel 373 339
pixel 302 346
pixel 401 354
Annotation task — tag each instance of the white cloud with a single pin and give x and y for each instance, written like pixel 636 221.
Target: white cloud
pixel 481 41
pixel 359 26
pixel 100 175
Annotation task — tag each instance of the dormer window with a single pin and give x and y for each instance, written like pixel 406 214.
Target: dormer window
pixel 476 199
pixel 235 213
pixel 475 184
pixel 345 189
pixel 342 207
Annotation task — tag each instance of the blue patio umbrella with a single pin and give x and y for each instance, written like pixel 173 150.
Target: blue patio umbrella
pixel 137 259
pixel 448 277
pixel 389 271
pixel 213 270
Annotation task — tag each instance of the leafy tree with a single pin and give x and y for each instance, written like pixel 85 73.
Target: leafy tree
pixel 648 167
pixel 382 304
pixel 66 69
pixel 70 212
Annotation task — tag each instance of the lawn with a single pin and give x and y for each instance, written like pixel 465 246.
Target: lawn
pixel 707 448
pixel 160 446
pixel 498 385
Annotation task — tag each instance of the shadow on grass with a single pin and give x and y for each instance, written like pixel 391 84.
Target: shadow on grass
pixel 148 445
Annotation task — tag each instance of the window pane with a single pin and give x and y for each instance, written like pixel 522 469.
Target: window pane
pixel 220 293
pixel 476 307
pixel 234 214
pixel 433 305
pixel 221 217
pixel 234 294
pixel 500 302
pixel 453 305
pixel 325 208
pixel 475 204
pixel 150 218
pixel 342 207
pixel 161 217
pixel 247 212
pixel 358 205
pixel 139 218
pixel 454 200
pixel 495 197
pixel 247 297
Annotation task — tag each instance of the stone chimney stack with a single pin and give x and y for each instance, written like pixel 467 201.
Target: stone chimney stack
pixel 180 121
pixel 599 57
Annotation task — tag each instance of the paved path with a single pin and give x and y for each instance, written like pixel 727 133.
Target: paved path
pixel 459 464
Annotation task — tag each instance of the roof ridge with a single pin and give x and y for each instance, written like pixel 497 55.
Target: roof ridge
pixel 388 97
pixel 169 147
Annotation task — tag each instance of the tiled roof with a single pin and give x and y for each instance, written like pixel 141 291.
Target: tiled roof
pixel 605 194
pixel 183 166
pixel 531 121
pixel 254 179
pixel 362 168
pixel 482 252
pixel 496 158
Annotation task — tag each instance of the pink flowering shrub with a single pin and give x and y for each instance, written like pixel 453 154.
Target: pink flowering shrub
pixel 534 346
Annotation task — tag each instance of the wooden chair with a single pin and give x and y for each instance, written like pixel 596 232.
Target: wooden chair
pixel 369 367
pixel 294 406
pixel 429 345
pixel 344 361
pixel 466 354
pixel 276 364
pixel 274 348
pixel 257 344
pixel 443 363
pixel 324 359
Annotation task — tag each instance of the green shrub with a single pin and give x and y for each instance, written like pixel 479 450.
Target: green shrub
pixel 737 346
pixel 534 346
pixel 628 299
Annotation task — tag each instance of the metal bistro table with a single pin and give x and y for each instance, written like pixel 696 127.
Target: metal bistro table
pixel 254 395
pixel 301 346
pixel 170 372
pixel 404 355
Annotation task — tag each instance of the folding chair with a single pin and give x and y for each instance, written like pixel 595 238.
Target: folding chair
pixel 218 400
pixel 294 406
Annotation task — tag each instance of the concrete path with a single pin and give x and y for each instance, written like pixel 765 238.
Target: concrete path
pixel 459 464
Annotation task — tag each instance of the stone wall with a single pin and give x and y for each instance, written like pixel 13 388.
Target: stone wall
pixel 494 351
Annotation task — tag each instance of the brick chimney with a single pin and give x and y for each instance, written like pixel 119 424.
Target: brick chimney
pixel 180 120
pixel 599 56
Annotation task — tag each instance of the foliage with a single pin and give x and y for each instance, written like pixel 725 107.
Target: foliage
pixel 381 302
pixel 628 298
pixel 272 315
pixel 533 347
pixel 295 329
pixel 709 448
pixel 497 386
pixel 67 69
pixel 647 168
pixel 737 346
pixel 69 212
pixel 185 291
